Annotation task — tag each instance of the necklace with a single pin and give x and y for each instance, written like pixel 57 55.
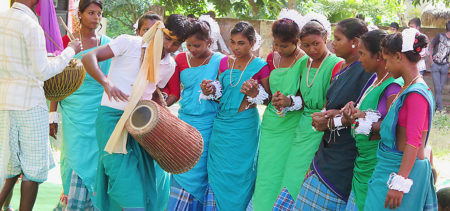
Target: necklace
pixel 371 88
pixel 231 71
pixel 190 58
pixel 315 75
pixel 410 83
pixel 292 63
pixel 81 40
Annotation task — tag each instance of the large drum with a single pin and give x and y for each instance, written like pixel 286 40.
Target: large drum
pixel 65 83
pixel 175 145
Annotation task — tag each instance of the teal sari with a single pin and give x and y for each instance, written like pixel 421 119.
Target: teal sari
pixel 131 181
pixel 234 143
pixel 79 151
pixel 422 195
pixel 200 115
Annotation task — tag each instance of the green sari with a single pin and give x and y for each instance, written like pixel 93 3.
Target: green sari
pixel 277 134
pixel 307 140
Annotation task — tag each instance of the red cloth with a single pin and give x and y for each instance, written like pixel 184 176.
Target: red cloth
pixel 65 41
pixel 173 87
pixel 336 69
pixel 270 61
pixel 414 116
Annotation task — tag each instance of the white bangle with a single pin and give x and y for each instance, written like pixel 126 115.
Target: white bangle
pixel 399 183
pixel 259 99
pixel 53 117
pixel 297 103
pixel 365 124
pixel 337 121
pixel 217 94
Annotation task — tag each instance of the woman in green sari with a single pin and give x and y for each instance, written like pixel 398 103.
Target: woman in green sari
pixel 278 126
pixel 316 72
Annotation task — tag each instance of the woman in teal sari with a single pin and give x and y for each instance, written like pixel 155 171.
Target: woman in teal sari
pixel 188 191
pixel 79 151
pixel 402 178
pixel 243 79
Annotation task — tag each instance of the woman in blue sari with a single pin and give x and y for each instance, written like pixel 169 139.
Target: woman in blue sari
pixel 79 150
pixel 243 79
pixel 402 178
pixel 188 191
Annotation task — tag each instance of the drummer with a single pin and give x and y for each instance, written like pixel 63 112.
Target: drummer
pixel 132 180
pixel 23 109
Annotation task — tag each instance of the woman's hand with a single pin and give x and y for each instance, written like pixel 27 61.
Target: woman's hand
pixel 393 199
pixel 113 92
pixel 53 130
pixel 280 101
pixel 250 88
pixel 207 87
pixel 350 113
pixel 320 121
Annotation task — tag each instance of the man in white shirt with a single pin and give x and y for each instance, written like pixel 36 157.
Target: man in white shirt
pixel 131 181
pixel 24 128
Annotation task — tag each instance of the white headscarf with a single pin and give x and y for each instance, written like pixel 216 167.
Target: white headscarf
pixel 312 16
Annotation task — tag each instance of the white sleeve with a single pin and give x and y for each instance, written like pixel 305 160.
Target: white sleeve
pixel 44 67
pixel 165 73
pixel 119 46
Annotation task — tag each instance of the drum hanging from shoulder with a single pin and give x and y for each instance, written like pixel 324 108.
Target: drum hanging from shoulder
pixel 175 145
pixel 65 83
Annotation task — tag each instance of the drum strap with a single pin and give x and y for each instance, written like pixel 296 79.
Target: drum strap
pixel 148 73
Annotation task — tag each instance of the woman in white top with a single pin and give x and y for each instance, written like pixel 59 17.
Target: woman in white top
pixel 132 180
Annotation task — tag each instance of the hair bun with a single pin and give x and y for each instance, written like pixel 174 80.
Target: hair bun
pixel 420 42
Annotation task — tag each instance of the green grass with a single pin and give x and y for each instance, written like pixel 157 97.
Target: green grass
pixel 47 199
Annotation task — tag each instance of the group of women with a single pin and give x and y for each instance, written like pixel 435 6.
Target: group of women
pixel 339 131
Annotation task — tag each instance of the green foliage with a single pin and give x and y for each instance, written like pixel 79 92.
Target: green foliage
pixel 122 14
pixel 376 12
pixel 441 121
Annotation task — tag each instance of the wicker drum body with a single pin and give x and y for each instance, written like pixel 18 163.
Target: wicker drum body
pixel 65 83
pixel 175 145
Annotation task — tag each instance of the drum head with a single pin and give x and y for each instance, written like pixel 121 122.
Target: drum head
pixel 141 117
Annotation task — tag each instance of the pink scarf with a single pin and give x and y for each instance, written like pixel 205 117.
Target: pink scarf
pixel 49 23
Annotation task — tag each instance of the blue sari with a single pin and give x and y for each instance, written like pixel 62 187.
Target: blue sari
pixel 234 142
pixel 79 151
pixel 422 194
pixel 200 115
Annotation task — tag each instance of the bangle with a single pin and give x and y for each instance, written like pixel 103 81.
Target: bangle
pixel 259 99
pixel 53 117
pixel 337 121
pixel 329 123
pixel 354 123
pixel 217 94
pixel 296 103
pixel 399 183
pixel 365 124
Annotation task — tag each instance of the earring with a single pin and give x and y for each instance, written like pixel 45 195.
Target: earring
pixel 353 46
pixel 378 60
